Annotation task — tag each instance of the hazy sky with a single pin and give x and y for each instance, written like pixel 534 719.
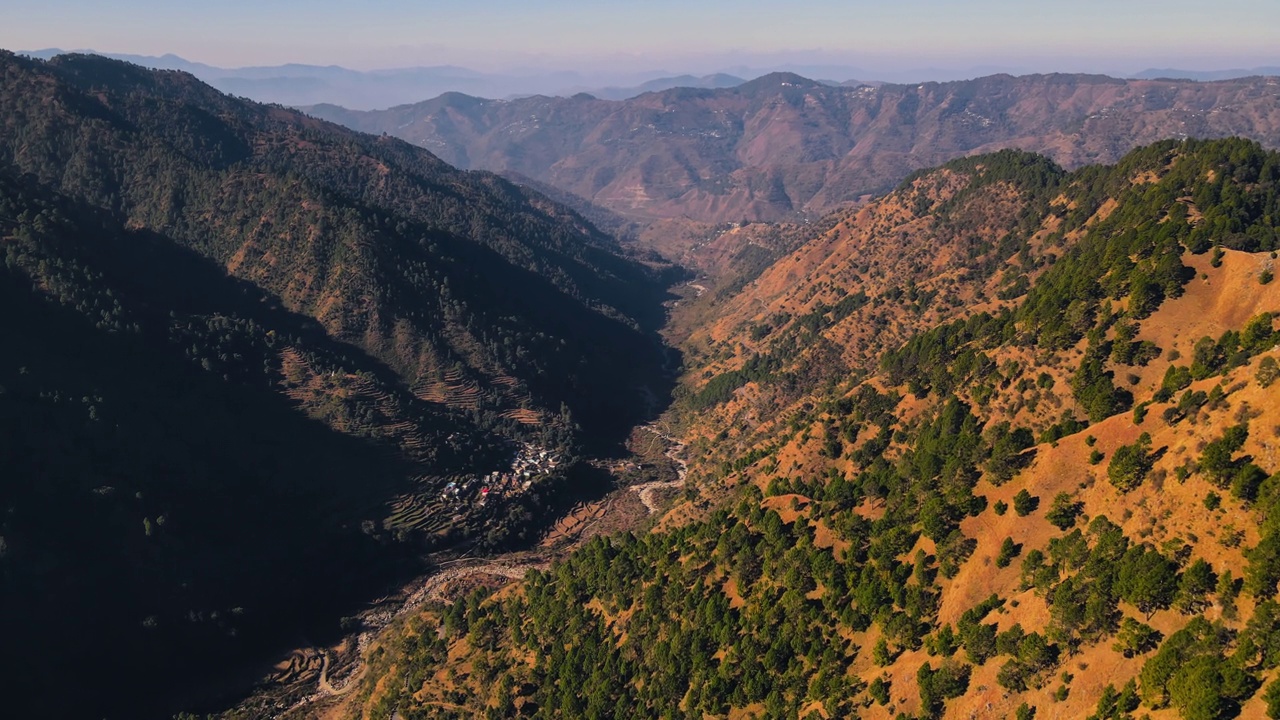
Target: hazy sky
pixel 696 35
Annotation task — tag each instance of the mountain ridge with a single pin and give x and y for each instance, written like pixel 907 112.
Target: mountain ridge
pixel 782 147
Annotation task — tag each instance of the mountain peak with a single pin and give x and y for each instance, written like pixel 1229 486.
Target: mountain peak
pixel 776 81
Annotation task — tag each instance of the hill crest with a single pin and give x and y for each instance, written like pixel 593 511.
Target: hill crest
pixel 784 146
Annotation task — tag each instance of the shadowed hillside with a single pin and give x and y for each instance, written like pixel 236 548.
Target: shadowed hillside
pixel 256 364
pixel 390 249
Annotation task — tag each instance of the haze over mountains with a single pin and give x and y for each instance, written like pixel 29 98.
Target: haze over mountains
pixel 298 84
pixel 301 84
pixel 785 146
pixel 1206 75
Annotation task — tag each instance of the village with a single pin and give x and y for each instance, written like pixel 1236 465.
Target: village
pixel 440 502
pixel 531 462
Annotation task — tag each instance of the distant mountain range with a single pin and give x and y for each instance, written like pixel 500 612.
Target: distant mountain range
pixel 296 84
pixel 300 84
pixel 1207 75
pixel 784 145
pixel 716 81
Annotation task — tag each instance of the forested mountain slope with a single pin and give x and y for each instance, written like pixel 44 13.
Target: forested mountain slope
pixel 783 144
pixel 245 354
pixel 388 247
pixel 1050 491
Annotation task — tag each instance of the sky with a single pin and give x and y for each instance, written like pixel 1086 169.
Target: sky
pixel 679 35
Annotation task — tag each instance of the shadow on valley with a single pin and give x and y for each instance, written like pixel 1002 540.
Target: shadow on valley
pixel 198 471
pixel 168 521
pixel 171 519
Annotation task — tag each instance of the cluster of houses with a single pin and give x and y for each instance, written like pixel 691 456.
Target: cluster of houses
pixel 530 463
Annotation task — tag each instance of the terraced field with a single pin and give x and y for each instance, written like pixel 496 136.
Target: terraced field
pixel 422 511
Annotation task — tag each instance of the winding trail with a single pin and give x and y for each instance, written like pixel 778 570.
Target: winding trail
pixel 432 588
pixel 325 687
pixel 674 451
pixel 646 490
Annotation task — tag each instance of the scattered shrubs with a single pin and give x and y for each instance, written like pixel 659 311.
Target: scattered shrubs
pixel 1008 550
pixel 1130 464
pixel 879 690
pixel 1063 511
pixel 1140 412
pixel 1117 705
pixel 1136 638
pixel 1146 579
pixel 1024 503
pixel 1177 377
pixel 1272 698
pixel 1268 371
pixel 950 680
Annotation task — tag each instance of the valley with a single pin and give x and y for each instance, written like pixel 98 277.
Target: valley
pixel 258 367
pixel 780 400
pixel 305 689
pixel 992 507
